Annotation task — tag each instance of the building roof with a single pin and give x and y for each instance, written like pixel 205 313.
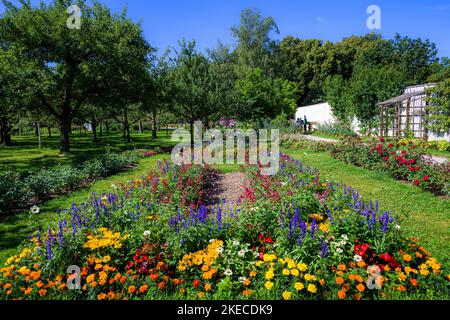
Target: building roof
pixel 401 98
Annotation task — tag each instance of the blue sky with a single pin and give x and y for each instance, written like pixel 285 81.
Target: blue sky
pixel 206 21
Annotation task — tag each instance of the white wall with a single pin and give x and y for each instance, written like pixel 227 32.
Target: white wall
pixel 320 113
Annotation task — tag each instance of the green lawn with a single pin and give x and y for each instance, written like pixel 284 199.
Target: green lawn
pixel 423 215
pixel 24 153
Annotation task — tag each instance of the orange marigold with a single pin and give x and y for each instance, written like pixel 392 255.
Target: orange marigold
pixel 246 293
pixel 143 288
pixel 340 280
pixel 131 289
pixel 161 285
pixel 360 287
pixel 342 267
pixel 414 282
pixel 341 294
pixel 407 257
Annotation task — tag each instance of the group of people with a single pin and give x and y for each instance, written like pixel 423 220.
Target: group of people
pixel 303 123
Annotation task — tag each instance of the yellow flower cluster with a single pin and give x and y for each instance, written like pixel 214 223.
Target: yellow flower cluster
pixel 204 257
pixel 16 259
pixel 106 239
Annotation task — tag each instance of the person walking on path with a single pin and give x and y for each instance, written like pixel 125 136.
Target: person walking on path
pixel 305 124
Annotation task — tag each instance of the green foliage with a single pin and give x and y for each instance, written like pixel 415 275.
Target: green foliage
pixel 438 114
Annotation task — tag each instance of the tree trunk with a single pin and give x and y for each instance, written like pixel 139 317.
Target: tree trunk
pixel 126 127
pixel 141 127
pixel 94 131
pixel 192 134
pixel 107 127
pixel 66 124
pixel 101 129
pixel 5 132
pixel 49 130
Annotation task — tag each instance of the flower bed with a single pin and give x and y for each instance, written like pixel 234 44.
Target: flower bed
pixel 20 190
pixel 403 161
pixel 293 236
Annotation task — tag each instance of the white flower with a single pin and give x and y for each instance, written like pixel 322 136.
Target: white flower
pixel 357 258
pixel 228 272
pixel 220 250
pixel 242 253
pixel 236 243
pixel 242 279
pixel 35 209
pixel 212 240
pixel 113 186
pixel 339 250
pixel 397 227
pixel 345 237
pixel 146 233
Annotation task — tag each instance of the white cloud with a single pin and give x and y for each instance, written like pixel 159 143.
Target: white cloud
pixel 320 19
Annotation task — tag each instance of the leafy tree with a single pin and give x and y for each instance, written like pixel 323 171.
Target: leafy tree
pixel 105 58
pixel 189 79
pixel 254 43
pixel 438 114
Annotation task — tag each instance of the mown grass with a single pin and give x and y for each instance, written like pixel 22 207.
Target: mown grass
pixel 424 216
pixel 24 154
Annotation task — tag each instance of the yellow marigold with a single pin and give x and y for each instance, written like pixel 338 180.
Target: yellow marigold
pixel 98 266
pixel 324 228
pixel 295 272
pixel 299 286
pixel 310 278
pixel 259 263
pixel 269 274
pixel 291 264
pixel 312 288
pixel 252 274
pixel 286 272
pixel 90 278
pixel 103 275
pixel 302 267
pixel 208 287
pixel 201 295
pixel 360 287
pixel 287 295
pixel 424 272
pixel 269 257
pixel 101 296
pixel 269 285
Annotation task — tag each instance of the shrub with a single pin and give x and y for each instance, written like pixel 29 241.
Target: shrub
pixel 13 191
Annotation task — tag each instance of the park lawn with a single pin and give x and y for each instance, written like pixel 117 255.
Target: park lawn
pixel 24 154
pixel 14 229
pixel 424 216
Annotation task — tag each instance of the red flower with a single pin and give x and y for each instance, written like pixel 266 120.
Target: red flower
pixel 417 182
pixel 361 249
pixel 386 158
pixel 426 178
pixel 382 139
pixel 269 240
pixel 385 257
pixel 196 283
pixel 391 145
pixel 261 255
pixel 404 152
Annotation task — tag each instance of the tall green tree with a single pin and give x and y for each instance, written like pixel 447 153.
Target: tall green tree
pixel 105 58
